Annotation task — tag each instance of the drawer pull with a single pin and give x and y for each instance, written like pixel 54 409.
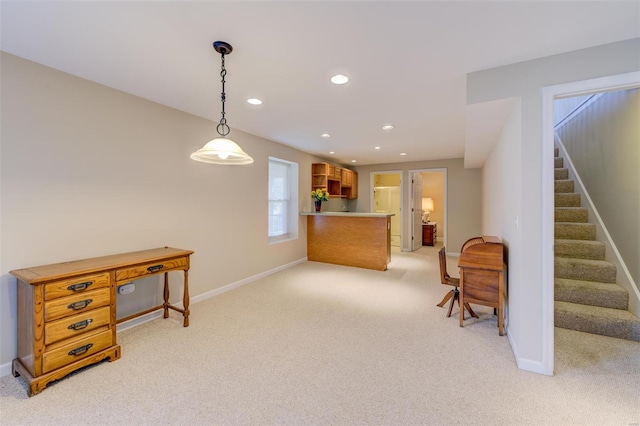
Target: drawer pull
pixel 80 286
pixel 80 325
pixel 155 268
pixel 80 305
pixel 80 350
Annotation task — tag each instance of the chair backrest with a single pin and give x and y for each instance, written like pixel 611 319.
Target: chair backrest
pixel 444 276
pixel 471 242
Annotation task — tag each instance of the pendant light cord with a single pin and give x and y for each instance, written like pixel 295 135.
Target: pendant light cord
pixel 223 129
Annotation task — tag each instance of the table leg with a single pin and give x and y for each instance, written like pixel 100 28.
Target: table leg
pixel 185 299
pixel 461 297
pixel 166 295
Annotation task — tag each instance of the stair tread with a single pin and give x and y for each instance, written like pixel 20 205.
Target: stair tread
pixel 597 311
pixel 597 320
pixel 605 295
pixel 602 263
pixel 613 287
pixel 581 242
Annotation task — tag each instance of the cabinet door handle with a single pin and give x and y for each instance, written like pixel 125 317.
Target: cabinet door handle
pixel 80 350
pixel 80 305
pixel 80 325
pixel 80 286
pixel 155 268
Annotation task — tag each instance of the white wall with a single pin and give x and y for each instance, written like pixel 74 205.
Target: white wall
pixel 526 80
pixel 501 200
pixel 89 171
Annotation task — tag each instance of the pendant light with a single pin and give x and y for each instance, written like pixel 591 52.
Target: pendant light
pixel 222 150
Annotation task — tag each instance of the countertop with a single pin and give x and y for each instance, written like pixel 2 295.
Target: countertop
pixel 346 214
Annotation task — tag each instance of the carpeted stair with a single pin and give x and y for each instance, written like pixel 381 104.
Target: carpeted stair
pixel 587 297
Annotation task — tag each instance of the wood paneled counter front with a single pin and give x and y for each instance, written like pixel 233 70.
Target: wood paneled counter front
pixel 351 239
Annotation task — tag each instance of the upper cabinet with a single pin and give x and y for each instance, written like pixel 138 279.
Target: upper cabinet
pixel 340 182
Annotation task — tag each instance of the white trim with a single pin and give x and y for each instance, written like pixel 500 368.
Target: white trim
pixel 229 287
pixel 549 94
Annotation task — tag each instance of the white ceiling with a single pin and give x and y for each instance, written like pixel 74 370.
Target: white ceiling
pixel 407 61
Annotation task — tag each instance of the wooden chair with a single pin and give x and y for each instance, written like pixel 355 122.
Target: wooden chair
pixel 454 294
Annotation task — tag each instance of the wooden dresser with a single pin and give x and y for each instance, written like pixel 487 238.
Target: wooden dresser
pixel 67 311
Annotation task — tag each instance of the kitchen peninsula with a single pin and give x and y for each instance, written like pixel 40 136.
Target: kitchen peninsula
pixel 351 239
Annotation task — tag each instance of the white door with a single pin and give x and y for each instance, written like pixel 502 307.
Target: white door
pixel 416 211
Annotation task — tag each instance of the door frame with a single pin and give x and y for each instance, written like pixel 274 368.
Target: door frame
pixel 549 95
pixel 446 199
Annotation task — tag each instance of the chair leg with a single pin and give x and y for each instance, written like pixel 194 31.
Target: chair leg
pixel 456 296
pixel 447 296
pixel 468 307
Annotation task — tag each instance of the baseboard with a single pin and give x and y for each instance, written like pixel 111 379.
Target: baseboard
pixel 527 364
pixel 229 287
pixel 5 369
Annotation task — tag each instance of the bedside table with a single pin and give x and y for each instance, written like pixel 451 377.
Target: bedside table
pixel 429 233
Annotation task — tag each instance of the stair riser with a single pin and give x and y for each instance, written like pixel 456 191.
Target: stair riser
pixel 563 186
pixel 558 162
pixel 567 200
pixel 579 251
pixel 556 152
pixel 561 174
pixel 575 231
pixel 575 214
pixel 595 325
pixel 585 272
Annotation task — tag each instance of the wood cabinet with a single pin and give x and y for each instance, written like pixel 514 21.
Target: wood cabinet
pixel 338 180
pixel 67 311
pixel 429 233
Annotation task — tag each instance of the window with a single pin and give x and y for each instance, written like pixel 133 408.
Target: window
pixel 283 200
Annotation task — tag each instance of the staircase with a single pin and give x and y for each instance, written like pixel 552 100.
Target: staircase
pixel 587 297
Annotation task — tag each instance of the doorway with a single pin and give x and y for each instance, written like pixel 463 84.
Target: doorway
pixel 386 197
pixel 549 95
pixel 433 203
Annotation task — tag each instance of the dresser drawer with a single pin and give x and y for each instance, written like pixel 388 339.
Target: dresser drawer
pixel 150 268
pixel 76 325
pixel 79 349
pixel 71 305
pixel 76 285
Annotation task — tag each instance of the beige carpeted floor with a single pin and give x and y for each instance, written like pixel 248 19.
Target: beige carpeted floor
pixel 325 344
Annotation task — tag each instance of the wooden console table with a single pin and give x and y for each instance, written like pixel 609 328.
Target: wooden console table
pixel 67 311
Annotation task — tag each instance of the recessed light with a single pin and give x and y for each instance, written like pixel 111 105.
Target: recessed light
pixel 339 79
pixel 325 135
pixel 353 161
pixel 377 147
pixel 332 152
pixel 254 101
pixel 403 153
pixel 387 127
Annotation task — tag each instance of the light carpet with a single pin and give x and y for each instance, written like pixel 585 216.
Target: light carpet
pixel 326 344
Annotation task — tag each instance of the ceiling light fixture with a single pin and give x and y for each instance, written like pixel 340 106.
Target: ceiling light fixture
pixel 387 127
pixel 222 150
pixel 403 153
pixel 339 79
pixel 325 135
pixel 332 152
pixel 377 147
pixel 254 101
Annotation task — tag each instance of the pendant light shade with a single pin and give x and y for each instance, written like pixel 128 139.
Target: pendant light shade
pixel 222 150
